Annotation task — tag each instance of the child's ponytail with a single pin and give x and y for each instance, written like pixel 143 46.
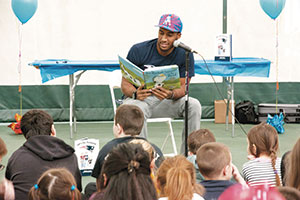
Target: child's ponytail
pixel 179 184
pixel 33 193
pixel 273 160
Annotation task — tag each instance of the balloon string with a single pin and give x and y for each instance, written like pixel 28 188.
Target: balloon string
pixel 276 65
pixel 20 67
pixel 21 103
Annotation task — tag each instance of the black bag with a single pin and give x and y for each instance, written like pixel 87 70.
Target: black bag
pixel 245 113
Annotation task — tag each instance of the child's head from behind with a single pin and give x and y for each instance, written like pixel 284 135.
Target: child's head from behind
pixel 262 140
pixel 128 119
pixel 126 170
pixel 214 161
pixel 289 193
pixel 3 149
pixel 58 184
pixel 102 179
pixel 284 166
pixel 36 122
pixel 199 137
pixel 176 178
pixel 293 174
pixel 146 146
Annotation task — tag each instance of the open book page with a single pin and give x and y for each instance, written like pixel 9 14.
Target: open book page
pixel 165 76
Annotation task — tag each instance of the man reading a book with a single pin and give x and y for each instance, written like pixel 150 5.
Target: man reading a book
pixel 158 101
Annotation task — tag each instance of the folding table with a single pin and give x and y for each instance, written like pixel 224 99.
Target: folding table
pixel 54 68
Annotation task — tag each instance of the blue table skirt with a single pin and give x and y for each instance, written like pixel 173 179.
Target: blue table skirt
pixel 256 67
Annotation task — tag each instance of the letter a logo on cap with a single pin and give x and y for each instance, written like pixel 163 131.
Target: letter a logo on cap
pixel 167 21
pixel 170 22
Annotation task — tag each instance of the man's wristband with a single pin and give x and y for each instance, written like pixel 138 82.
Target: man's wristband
pixel 134 95
pixel 172 96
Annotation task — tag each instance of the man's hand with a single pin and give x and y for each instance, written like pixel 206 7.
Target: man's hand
pixel 175 94
pixel 162 93
pixel 142 93
pixel 128 89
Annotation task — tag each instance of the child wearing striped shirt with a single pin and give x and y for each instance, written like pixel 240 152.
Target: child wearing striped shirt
pixel 263 166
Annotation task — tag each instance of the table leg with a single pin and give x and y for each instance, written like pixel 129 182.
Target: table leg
pixel 72 84
pixel 227 82
pixel 232 106
pixel 230 97
pixel 71 96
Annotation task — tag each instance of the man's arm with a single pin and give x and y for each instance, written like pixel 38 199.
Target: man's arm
pixel 128 89
pixel 163 93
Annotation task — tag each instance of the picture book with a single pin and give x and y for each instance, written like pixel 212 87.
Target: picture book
pixel 152 76
pixel 223 49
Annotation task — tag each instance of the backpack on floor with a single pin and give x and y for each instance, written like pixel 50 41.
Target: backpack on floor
pixel 245 113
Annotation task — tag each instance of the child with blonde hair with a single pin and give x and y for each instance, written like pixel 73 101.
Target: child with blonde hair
pixel 177 181
pixel 150 150
pixel 55 184
pixel 264 165
pixel 152 155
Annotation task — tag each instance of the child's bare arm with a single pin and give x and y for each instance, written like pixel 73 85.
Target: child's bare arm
pixel 237 176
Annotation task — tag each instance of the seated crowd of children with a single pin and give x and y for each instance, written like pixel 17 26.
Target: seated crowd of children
pixel 129 167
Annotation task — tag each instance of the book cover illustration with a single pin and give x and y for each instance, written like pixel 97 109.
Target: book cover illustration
pixel 131 72
pixel 223 47
pixel 165 76
pixel 86 150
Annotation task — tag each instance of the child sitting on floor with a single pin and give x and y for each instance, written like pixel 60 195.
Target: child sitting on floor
pixel 293 173
pixel 264 165
pixel 195 140
pixel 215 164
pixel 126 175
pixel 176 180
pixel 56 183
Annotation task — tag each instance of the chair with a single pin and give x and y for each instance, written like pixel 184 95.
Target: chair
pixel 115 82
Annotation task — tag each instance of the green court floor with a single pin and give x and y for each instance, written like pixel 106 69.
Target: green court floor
pixel 156 132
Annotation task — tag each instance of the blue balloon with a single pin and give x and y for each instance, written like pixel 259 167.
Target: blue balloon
pixel 24 9
pixel 272 8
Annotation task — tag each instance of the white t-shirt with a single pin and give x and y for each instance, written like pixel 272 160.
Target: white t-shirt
pixel 195 197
